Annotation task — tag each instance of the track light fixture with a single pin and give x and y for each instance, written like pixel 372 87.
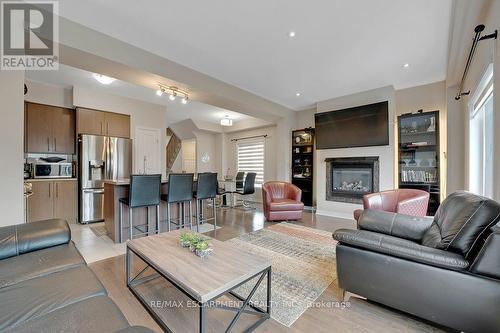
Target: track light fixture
pixel 172 92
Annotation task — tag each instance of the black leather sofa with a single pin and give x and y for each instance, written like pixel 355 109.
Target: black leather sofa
pixel 45 285
pixel 445 269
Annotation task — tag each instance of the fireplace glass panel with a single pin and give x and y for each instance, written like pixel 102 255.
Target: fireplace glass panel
pixel 352 179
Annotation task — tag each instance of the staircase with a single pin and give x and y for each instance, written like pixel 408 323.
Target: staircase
pixel 173 148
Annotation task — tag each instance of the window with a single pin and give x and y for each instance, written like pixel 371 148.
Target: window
pixel 251 158
pixel 481 137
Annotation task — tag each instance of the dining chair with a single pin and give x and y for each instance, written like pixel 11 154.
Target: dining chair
pixel 248 189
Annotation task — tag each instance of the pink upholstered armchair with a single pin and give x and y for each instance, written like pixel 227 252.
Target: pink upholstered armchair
pixel 281 201
pixel 404 201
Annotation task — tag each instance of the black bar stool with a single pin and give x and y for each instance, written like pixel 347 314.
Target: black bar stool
pixel 206 189
pixel 144 192
pixel 180 191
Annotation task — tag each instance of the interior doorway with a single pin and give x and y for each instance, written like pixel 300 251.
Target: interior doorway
pixel 147 151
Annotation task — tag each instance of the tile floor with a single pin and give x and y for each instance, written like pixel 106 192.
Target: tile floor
pixel 93 247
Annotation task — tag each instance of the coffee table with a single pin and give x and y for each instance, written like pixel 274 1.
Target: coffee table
pixel 202 280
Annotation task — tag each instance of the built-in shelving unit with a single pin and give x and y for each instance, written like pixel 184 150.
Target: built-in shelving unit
pixel 302 163
pixel 419 154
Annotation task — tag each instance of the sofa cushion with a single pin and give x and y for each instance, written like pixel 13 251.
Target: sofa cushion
pixel 400 248
pixel 39 296
pixel 24 238
pixel 285 205
pixel 461 223
pixel 96 314
pixel 38 263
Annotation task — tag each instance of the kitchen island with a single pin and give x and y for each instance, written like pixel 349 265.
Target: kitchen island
pixel 114 190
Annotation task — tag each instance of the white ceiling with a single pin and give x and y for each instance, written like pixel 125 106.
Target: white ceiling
pixel 341 46
pixel 68 77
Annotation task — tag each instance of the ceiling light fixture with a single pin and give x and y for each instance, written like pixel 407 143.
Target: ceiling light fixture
pixel 226 121
pixel 103 78
pixel 406 65
pixel 297 94
pixel 291 34
pixel 172 92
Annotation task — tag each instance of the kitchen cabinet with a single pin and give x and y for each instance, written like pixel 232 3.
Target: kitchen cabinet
pixel 96 122
pixel 41 202
pixel 53 199
pixel 49 129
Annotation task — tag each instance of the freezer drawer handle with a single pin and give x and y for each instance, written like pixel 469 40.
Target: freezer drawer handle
pixel 93 191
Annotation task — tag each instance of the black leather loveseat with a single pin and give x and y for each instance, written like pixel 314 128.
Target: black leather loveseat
pixel 445 269
pixel 45 285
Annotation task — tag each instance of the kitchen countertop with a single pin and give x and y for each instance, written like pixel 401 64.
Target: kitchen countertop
pixel 32 180
pixel 126 181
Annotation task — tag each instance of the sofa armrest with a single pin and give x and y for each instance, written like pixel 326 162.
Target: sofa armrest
pixel 401 248
pixel 23 238
pixel 487 262
pixel 393 224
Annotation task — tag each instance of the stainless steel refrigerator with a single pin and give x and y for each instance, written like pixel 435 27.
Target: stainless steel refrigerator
pixel 100 158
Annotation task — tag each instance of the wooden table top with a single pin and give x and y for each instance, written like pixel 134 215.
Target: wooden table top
pixel 203 279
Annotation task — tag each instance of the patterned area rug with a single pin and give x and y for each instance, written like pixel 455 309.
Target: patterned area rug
pixel 303 266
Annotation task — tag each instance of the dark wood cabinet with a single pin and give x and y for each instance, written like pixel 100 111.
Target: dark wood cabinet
pixel 303 163
pixel 96 122
pixel 41 202
pixel 419 152
pixel 49 129
pixel 53 199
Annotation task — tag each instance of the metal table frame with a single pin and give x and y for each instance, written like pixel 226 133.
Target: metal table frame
pixel 133 282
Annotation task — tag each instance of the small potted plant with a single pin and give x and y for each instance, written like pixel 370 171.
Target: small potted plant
pixel 202 249
pixel 185 239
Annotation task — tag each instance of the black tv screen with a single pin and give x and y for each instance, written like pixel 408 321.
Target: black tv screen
pixel 361 126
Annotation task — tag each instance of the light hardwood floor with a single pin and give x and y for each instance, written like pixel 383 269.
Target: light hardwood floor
pixel 361 316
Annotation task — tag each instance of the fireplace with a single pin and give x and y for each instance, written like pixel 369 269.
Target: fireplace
pixel 349 178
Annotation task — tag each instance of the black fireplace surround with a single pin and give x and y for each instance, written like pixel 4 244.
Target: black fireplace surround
pixel 349 178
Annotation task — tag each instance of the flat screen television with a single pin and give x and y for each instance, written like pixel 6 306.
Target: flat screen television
pixel 361 126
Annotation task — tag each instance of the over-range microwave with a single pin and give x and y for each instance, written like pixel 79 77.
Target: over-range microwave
pixel 52 170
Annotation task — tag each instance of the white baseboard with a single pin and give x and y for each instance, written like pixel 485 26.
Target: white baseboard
pixel 341 215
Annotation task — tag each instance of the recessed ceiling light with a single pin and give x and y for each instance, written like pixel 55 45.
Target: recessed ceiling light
pixel 103 78
pixel 406 65
pixel 297 94
pixel 291 34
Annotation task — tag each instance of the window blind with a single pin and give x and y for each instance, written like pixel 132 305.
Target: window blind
pixel 251 158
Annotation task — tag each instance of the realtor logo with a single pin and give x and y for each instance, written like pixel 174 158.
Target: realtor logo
pixel 29 34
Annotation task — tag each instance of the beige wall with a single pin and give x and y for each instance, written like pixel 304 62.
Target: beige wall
pixel 11 143
pixel 205 144
pixel 142 114
pixel 44 93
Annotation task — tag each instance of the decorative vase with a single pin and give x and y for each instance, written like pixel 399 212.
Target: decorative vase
pixel 432 126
